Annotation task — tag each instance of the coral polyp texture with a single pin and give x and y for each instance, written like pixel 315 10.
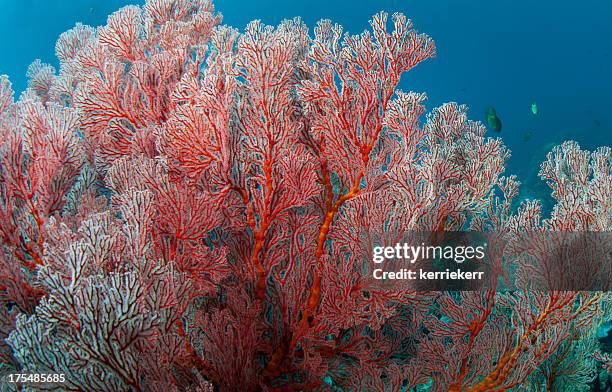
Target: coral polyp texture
pixel 189 207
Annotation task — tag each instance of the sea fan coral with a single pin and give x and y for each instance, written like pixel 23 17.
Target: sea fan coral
pixel 184 206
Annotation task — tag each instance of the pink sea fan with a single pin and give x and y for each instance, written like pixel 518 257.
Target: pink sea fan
pixel 184 206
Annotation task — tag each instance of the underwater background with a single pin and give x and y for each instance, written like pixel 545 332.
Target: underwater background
pixel 504 54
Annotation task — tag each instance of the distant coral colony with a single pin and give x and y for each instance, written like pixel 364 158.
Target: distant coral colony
pixel 187 207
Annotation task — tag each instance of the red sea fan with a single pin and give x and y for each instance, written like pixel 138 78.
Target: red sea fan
pixel 184 206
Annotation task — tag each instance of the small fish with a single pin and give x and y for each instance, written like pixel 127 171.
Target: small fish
pixel 597 123
pixel 527 136
pixel 493 121
pixel 534 109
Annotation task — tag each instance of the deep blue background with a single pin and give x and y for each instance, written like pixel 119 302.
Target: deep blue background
pixel 504 53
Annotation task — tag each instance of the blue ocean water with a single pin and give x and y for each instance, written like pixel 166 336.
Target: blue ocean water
pixel 503 53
